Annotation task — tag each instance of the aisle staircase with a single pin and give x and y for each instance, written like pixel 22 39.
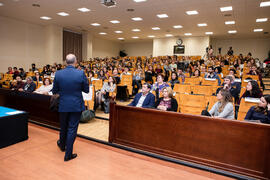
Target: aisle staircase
pixel 266 82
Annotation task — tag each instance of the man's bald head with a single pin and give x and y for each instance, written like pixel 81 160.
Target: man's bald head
pixel 71 59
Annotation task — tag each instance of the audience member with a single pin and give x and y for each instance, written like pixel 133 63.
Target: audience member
pixel 29 86
pixel 144 99
pixel 261 112
pixel 45 88
pixel 224 107
pixel 167 102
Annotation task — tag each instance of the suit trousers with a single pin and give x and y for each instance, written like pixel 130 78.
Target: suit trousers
pixel 69 122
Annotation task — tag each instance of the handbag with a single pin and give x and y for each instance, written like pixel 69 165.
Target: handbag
pixel 87 115
pixel 54 102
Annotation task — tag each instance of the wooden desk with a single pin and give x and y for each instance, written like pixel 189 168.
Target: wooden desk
pixel 37 105
pixel 230 145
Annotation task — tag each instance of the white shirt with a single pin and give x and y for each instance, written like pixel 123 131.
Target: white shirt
pixel 141 100
pixel 88 96
pixel 44 89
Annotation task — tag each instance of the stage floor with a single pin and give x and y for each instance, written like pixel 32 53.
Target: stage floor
pixel 40 158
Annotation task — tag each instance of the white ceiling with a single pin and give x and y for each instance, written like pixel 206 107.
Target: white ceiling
pixel 244 14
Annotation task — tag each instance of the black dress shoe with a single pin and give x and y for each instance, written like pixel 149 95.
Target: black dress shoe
pixel 73 156
pixel 60 147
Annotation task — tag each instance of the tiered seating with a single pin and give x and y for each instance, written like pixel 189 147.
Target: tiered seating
pixel 244 107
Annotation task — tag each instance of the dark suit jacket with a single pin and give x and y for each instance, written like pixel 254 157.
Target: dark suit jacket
pixel 31 88
pixel 69 84
pixel 149 101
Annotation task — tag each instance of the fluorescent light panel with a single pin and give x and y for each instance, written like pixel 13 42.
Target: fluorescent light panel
pixel 63 14
pixel 121 38
pixel 202 24
pixel 229 22
pixel 45 18
pixel 151 36
pixel 115 21
pixel 169 35
pixel 95 24
pixel 258 30
pixel 208 33
pixel 1 4
pixel 139 0
pixel 188 34
pixel 162 15
pixel 118 32
pixel 177 26
pixel 232 32
pixel 136 30
pixel 264 4
pixel 135 37
pixel 102 33
pixel 228 8
pixel 155 28
pixel 262 20
pixel 83 9
pixel 192 12
pixel 137 19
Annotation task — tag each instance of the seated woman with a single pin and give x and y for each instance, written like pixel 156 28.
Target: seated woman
pixel 103 96
pixel 37 77
pixel 252 90
pixel 224 107
pixel 159 85
pixel 45 88
pixel 261 112
pixel 167 102
pixel 174 79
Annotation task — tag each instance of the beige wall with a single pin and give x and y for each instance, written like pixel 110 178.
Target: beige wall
pixel 258 47
pixel 22 44
pixel 194 46
pixel 105 48
pixel 138 48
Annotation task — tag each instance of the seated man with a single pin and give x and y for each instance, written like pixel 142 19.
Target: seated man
pixel 234 90
pixel 145 99
pixel 29 86
pixel 212 75
pixel 17 84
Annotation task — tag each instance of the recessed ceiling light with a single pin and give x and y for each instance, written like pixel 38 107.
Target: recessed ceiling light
pixel 208 33
pixel 137 19
pixel 45 18
pixel 135 37
pixel 262 20
pixel 136 30
pixel 229 22
pixel 155 28
pixel 177 26
pixel 162 15
pixel 121 38
pixel 228 8
pixel 192 12
pixel 63 14
pixel 118 32
pixel 1 4
pixel 84 9
pixel 169 35
pixel 258 30
pixel 102 33
pixel 232 32
pixel 202 24
pixel 115 21
pixel 151 36
pixel 139 0
pixel 188 34
pixel 95 24
pixel 264 4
